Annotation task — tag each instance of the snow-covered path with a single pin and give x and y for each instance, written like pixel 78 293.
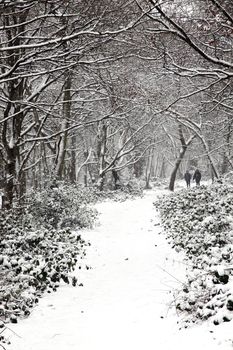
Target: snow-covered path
pixel 126 299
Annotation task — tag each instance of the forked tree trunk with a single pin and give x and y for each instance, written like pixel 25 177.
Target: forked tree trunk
pixel 176 167
pixel 184 146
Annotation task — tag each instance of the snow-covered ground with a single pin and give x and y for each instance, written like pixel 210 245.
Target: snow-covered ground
pixel 127 298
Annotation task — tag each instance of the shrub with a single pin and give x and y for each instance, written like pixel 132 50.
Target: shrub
pixel 38 247
pixel 199 221
pixel 60 205
pixel 33 262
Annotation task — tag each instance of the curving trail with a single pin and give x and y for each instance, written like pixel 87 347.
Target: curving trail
pixel 125 303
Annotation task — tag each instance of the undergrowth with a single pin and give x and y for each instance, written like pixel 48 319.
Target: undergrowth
pixel 199 221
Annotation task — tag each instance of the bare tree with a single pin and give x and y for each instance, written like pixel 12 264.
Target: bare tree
pixel 40 42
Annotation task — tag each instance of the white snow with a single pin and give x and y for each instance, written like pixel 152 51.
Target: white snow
pixel 208 220
pixel 127 299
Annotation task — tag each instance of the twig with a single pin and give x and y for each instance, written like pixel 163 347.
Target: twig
pixel 170 275
pixel 11 330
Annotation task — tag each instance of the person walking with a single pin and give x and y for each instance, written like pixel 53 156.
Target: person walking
pixel 197 177
pixel 187 177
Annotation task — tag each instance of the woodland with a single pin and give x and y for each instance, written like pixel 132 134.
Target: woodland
pixel 98 93
pixel 98 97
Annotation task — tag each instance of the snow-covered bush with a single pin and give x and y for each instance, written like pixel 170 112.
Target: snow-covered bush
pixel 129 190
pixel 134 187
pixel 60 205
pixel 33 262
pixel 38 248
pixel 200 222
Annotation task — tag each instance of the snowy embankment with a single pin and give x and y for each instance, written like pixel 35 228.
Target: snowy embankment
pixel 127 298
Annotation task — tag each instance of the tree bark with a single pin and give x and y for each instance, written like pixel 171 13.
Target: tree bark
pixel 102 148
pixel 72 169
pixel 184 146
pixel 62 142
pixel 149 168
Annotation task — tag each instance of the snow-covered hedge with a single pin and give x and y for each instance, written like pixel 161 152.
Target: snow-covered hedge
pixel 60 205
pixel 33 262
pixel 200 222
pixel 38 247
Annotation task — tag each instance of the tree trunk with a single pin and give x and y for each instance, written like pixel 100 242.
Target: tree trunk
pixel 209 156
pixel 101 152
pixel 10 177
pixel 116 179
pixel 149 164
pixel 72 170
pixel 13 128
pixel 13 114
pixel 184 146
pixel 62 142
pixel 162 169
pixel 176 167
pixel 226 154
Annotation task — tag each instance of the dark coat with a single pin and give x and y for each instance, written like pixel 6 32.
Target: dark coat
pixel 197 176
pixel 187 176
